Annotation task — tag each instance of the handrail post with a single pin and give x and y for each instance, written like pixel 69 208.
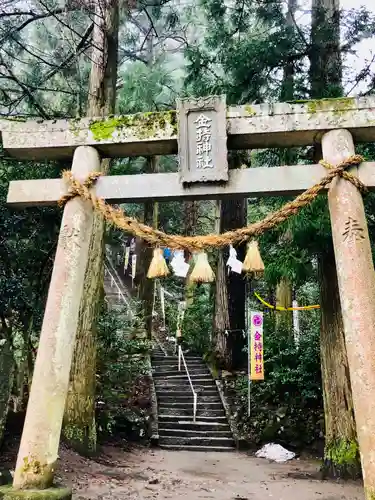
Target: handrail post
pixel 194 406
pixel 179 358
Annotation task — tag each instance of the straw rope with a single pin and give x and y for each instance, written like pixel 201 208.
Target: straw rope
pixel 155 237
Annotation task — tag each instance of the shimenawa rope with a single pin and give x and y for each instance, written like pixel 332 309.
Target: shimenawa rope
pixel 155 237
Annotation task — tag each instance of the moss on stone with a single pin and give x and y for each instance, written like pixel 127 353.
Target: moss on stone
pixel 369 494
pixel 249 110
pixel 16 119
pixel 341 459
pixel 57 493
pixel 143 125
pixel 336 105
pixel 342 452
pixel 34 468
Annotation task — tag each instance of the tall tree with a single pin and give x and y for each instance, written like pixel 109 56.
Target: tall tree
pixel 230 289
pixel 146 288
pixel 284 286
pixel 341 450
pixel 79 420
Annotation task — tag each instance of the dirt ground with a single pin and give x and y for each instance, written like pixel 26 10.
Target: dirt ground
pixel 158 474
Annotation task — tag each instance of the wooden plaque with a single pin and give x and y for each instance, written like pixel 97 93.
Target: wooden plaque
pixel 202 139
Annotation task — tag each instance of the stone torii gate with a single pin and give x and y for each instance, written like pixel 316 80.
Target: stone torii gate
pixel 198 131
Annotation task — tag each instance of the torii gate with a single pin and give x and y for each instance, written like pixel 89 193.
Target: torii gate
pixel 203 174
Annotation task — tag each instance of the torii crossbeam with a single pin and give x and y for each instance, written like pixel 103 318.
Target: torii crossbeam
pixel 334 123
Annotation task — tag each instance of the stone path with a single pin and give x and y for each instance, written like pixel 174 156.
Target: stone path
pixel 162 474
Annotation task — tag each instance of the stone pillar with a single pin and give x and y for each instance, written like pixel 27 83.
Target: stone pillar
pixel 356 279
pixel 38 451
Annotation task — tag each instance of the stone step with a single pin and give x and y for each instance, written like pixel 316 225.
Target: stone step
pixel 177 430
pixel 170 400
pixel 183 375
pixel 196 441
pixel 177 391
pixel 172 359
pixel 174 365
pixel 187 420
pixel 198 425
pixel 173 372
pixel 187 412
pixel 183 383
pixel 182 378
pixel 196 448
pixel 184 432
pixel 207 405
pixel 184 386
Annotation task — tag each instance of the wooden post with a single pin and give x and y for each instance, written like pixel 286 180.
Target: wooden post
pixel 356 279
pixel 38 451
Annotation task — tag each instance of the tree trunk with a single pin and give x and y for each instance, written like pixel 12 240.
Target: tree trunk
pixel 341 449
pixel 341 457
pixel 190 220
pixel 325 55
pixel 79 427
pixel 287 88
pixel 230 293
pixel 284 320
pixel 146 285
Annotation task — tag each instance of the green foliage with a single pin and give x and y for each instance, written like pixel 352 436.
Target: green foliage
pixel 145 88
pixel 343 452
pixel 28 239
pixel 123 384
pixel 197 325
pixel 287 406
pixel 342 459
pixel 243 49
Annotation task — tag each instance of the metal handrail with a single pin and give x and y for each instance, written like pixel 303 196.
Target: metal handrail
pixel 120 294
pixel 195 396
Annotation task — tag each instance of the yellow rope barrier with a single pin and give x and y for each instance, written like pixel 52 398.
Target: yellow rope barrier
pixel 280 308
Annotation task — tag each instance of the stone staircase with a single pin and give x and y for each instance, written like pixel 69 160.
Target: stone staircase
pixel 177 430
pixel 116 293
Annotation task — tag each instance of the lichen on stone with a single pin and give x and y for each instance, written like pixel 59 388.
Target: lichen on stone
pixel 74 126
pixel 41 475
pixel 336 105
pixel 143 125
pixel 16 119
pixel 249 110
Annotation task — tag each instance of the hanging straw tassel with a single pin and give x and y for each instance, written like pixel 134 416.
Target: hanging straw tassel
pixel 202 272
pixel 158 267
pixel 253 262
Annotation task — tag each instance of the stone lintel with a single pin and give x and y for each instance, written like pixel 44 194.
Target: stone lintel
pixel 260 181
pixel 248 127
